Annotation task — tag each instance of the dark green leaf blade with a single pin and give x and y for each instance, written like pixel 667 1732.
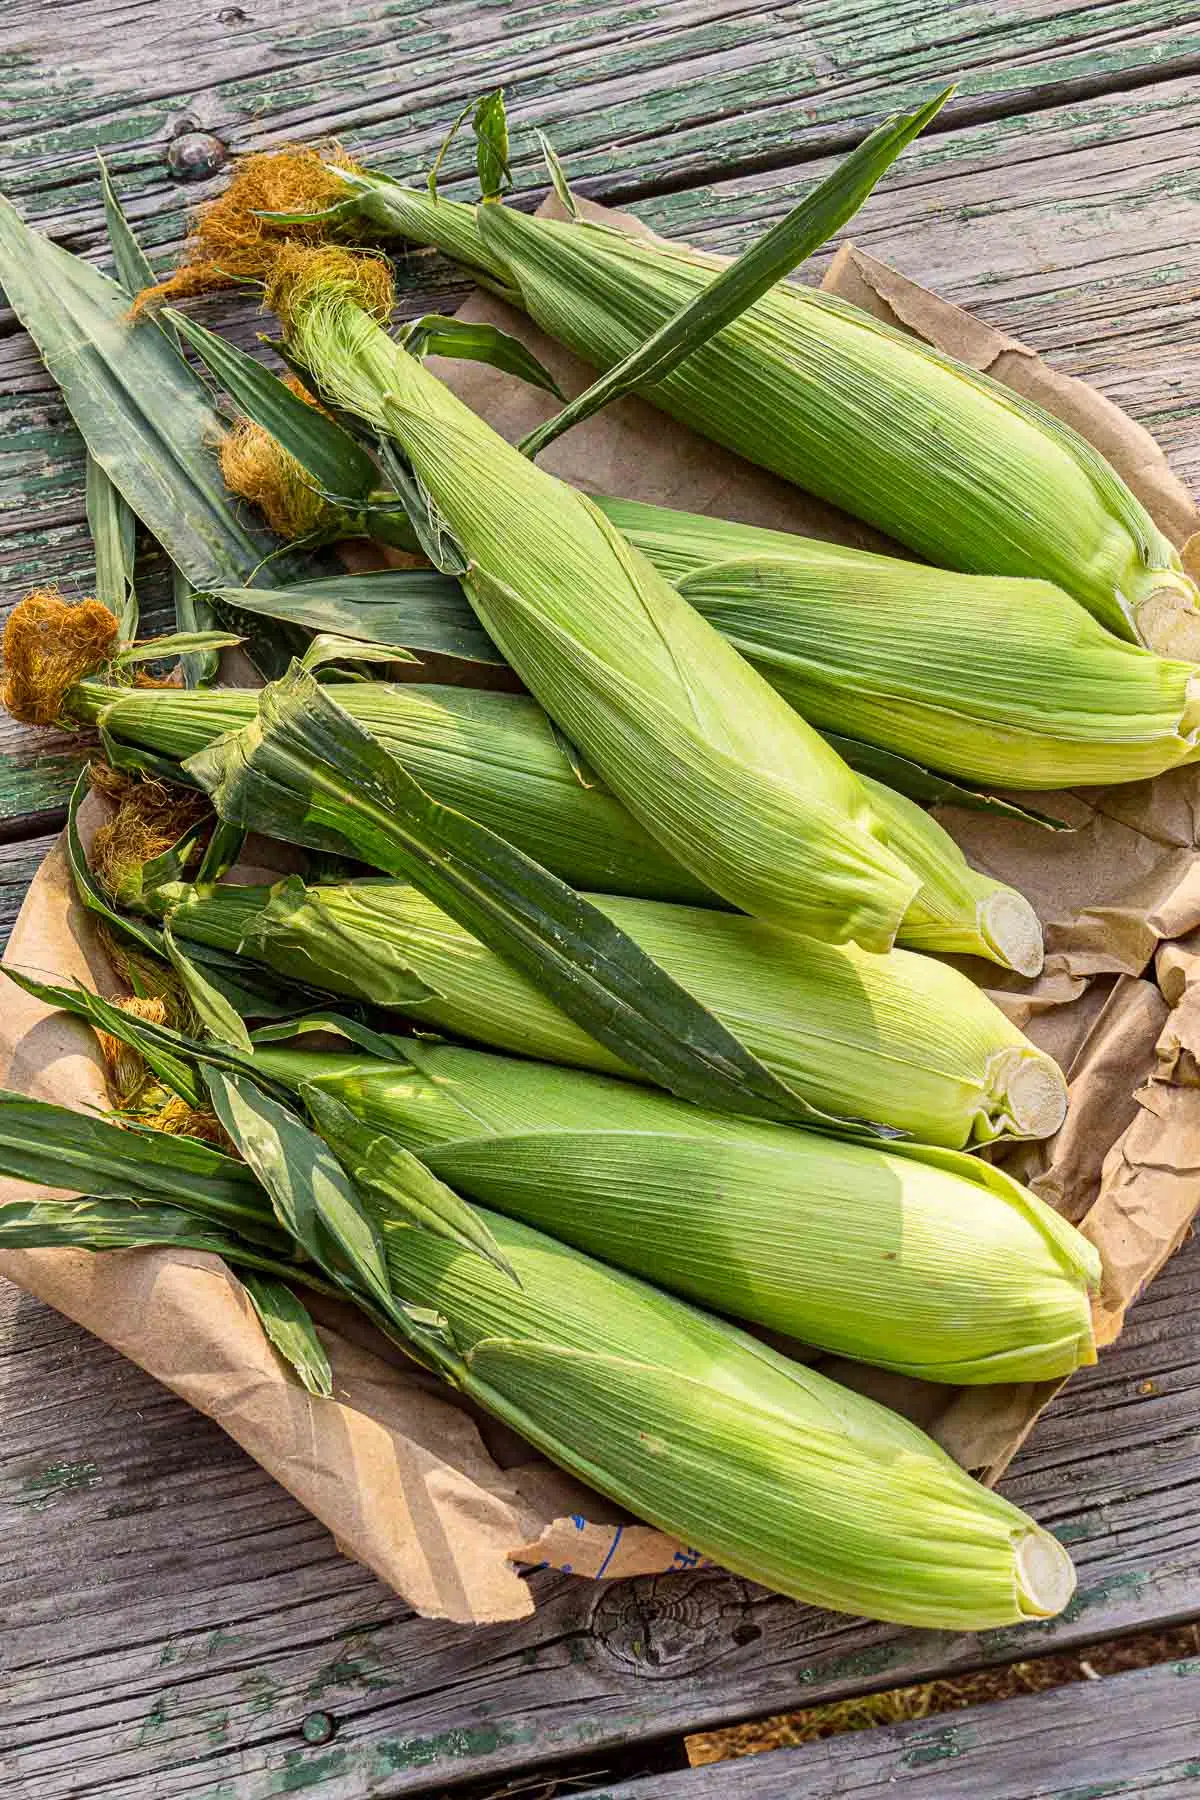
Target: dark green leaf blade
pixel 927 787
pixel 132 264
pixel 489 122
pixel 289 1327
pixel 177 643
pixel 774 255
pixel 194 616
pixel 314 1198
pixel 114 535
pixel 397 1183
pixel 54 1146
pixel 306 771
pixel 336 463
pixel 415 609
pixel 475 342
pixel 144 414
pixel 220 853
pixel 90 1224
pixel 216 1014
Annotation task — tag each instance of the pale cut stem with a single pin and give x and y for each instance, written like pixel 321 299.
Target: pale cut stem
pixel 1009 925
pixel 1045 1575
pixel 1035 1092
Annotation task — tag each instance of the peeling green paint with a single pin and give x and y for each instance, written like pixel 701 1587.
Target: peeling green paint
pixel 940 1745
pixel 154 1722
pixel 56 1480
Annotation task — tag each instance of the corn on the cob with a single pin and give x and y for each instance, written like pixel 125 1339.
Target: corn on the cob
pixel 923 1261
pixel 900 1039
pixel 771 1469
pixel 764 1465
pixel 941 458
pixel 775 1472
pixel 699 747
pixel 495 758
pixel 987 678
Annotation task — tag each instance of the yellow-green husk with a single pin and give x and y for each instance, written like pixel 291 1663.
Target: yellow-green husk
pixel 698 746
pixel 772 1470
pixel 900 1039
pixel 986 678
pixel 926 1262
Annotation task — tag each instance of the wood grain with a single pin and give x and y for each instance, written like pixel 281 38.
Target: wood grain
pixel 180 1616
pixel 1136 1734
pixel 637 98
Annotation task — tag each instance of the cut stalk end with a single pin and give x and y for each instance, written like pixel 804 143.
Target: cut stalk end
pixel 1012 931
pixel 1045 1575
pixel 1035 1090
pixel 1167 620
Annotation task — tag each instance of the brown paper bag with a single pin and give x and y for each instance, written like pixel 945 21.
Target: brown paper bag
pixel 439 1501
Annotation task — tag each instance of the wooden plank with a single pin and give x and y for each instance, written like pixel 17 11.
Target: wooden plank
pixel 1136 1734
pixel 177 1617
pixel 1072 227
pixel 636 97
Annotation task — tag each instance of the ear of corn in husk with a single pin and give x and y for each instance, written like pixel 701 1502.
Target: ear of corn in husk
pixel 940 457
pixel 989 679
pixel 496 758
pixel 956 908
pixel 929 1263
pixel 986 678
pixel 901 1039
pixel 762 1464
pixel 698 746
pixel 770 1469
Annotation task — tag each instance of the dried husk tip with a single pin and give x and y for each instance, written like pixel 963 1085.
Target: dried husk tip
pixel 256 467
pixel 229 244
pixel 125 1068
pixel 149 818
pixel 49 645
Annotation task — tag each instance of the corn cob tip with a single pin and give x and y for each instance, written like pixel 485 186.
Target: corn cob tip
pixel 1034 1091
pixel 1045 1575
pixel 255 466
pixel 1012 930
pixel 229 243
pixel 50 644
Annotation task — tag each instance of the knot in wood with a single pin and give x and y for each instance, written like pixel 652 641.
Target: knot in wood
pixel 663 1626
pixel 195 155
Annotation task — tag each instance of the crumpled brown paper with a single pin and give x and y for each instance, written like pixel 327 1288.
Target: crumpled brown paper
pixel 436 1499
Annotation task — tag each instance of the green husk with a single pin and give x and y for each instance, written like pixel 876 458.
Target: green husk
pixel 307 772
pixel 941 458
pixel 987 678
pixel 773 1471
pixel 496 758
pixel 926 1262
pixel 699 747
pixel 762 1464
pixel 957 908
pixel 901 1039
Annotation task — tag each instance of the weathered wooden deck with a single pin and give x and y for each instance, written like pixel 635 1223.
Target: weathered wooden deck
pixel 174 1626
